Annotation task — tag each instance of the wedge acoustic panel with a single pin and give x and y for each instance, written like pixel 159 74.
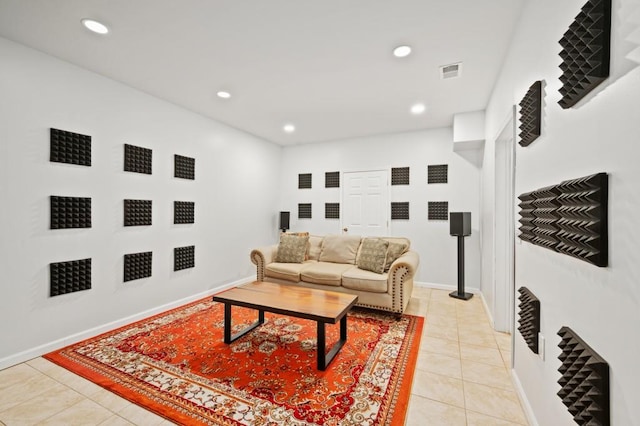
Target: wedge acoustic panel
pixel 569 218
pixel 184 257
pixel 400 210
pixel 69 147
pixel 437 173
pixel 70 212
pixel 400 176
pixel 438 210
pixel 529 318
pixel 332 180
pixel 184 212
pixel 184 167
pixel 137 212
pixel 332 210
pixel 531 114
pixel 304 211
pixel 137 265
pixel 137 159
pixel 584 385
pixel 585 54
pixel 304 181
pixel 69 277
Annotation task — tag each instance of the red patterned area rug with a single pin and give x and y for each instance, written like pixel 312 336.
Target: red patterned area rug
pixel 176 365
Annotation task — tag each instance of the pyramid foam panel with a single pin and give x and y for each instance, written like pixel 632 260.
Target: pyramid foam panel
pixel 184 257
pixel 438 210
pixel 184 167
pixel 70 212
pixel 531 114
pixel 138 159
pixel 69 277
pixel 304 181
pixel 529 318
pixel 332 180
pixel 400 210
pixel 332 210
pixel 437 173
pixel 304 211
pixel 69 147
pixel 137 265
pixel 184 212
pixel 400 175
pixel 137 212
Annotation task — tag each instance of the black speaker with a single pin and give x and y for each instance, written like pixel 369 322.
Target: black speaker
pixel 460 223
pixel 284 221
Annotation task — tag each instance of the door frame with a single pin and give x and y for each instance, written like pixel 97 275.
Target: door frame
pixel 387 171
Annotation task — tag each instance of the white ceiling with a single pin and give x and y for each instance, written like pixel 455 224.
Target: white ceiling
pixel 324 65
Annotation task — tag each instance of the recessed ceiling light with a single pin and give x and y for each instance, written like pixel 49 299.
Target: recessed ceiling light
pixel 289 128
pixel 224 95
pixel 418 109
pixel 401 51
pixel 95 26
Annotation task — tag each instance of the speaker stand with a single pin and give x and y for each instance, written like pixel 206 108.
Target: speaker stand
pixel 460 294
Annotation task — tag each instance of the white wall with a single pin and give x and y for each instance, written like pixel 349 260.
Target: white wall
pixel 437 249
pixel 600 134
pixel 234 192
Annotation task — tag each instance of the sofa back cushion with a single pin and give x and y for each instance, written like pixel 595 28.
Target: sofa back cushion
pixel 340 249
pixel 315 247
pixel 372 255
pixel 292 248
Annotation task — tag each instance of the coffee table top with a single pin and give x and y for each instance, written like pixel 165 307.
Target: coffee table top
pixel 318 305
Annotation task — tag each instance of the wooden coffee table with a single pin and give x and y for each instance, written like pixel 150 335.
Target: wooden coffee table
pixel 324 307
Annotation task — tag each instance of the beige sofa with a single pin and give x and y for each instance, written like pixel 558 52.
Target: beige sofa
pixel 331 263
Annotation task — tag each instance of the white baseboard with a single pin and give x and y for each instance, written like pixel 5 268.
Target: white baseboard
pixel 528 411
pixel 77 337
pixel 447 287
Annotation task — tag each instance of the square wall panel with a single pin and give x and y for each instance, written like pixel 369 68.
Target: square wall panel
pixel 137 212
pixel 184 212
pixel 137 265
pixel 332 210
pixel 70 148
pixel 304 211
pixel 332 180
pixel 184 257
pixel 137 159
pixel 438 210
pixel 184 167
pixel 400 210
pixel 69 277
pixel 438 173
pixel 70 212
pixel 304 181
pixel 400 176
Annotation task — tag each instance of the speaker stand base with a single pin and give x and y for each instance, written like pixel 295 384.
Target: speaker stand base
pixel 461 296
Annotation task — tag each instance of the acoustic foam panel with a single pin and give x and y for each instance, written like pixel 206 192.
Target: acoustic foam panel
pixel 529 313
pixel 69 147
pixel 69 277
pixel 304 211
pixel 584 385
pixel 332 180
pixel 585 52
pixel 438 210
pixel 332 210
pixel 184 212
pixel 184 167
pixel 137 159
pixel 137 212
pixel 400 176
pixel 438 173
pixel 569 218
pixel 137 265
pixel 400 210
pixel 70 212
pixel 531 114
pixel 184 257
pixel 304 181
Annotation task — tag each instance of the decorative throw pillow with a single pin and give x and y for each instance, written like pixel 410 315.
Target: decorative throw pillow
pixel 292 248
pixel 373 254
pixel 394 252
pixel 303 234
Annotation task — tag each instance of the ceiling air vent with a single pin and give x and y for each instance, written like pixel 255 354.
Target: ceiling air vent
pixel 450 71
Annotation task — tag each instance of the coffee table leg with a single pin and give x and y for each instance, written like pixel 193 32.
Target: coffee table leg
pixel 228 338
pixel 324 359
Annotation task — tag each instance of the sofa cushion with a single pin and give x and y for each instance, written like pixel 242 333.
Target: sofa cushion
pixel 358 279
pixel 372 255
pixel 286 271
pixel 326 273
pixel 394 251
pixel 315 247
pixel 340 249
pixel 292 248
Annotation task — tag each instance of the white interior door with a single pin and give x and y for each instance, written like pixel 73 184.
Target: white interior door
pixel 365 203
pixel 504 226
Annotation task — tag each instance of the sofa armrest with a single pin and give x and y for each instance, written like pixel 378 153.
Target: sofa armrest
pixel 261 257
pixel 401 274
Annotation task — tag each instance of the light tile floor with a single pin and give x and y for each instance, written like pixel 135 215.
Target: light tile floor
pixel 461 378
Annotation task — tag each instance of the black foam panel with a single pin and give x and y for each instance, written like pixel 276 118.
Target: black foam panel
pixel 531 114
pixel 332 180
pixel 137 265
pixel 332 210
pixel 69 147
pixel 137 212
pixel 585 54
pixel 400 176
pixel 584 385
pixel 304 211
pixel 184 167
pixel 137 159
pixel 569 218
pixel 184 257
pixel 70 212
pixel 304 181
pixel 438 210
pixel 184 212
pixel 400 210
pixel 529 313
pixel 69 277
pixel 438 173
